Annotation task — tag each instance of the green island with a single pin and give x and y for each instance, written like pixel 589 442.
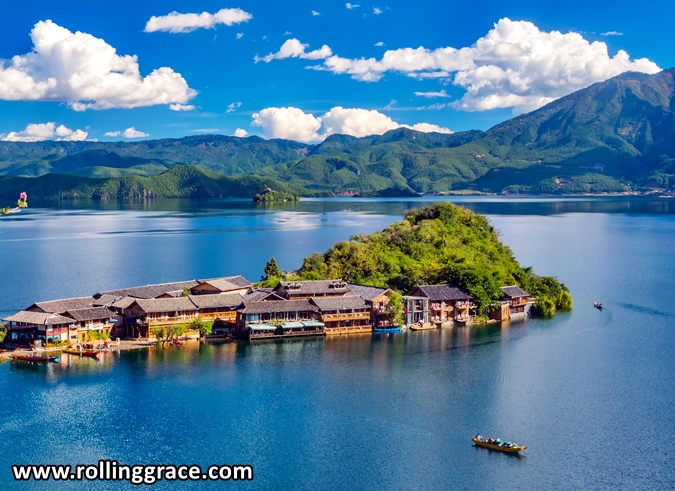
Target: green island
pixel 269 196
pixel 438 244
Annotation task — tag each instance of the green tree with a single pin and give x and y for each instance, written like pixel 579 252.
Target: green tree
pixel 272 270
pixel 544 306
pixel 3 332
pixel 394 309
pixel 186 292
pixel 199 324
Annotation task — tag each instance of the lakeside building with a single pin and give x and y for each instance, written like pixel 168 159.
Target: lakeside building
pixel 515 304
pixel 299 290
pixel 272 318
pixel 343 315
pixel 377 299
pixel 214 286
pixel 445 303
pixel 26 327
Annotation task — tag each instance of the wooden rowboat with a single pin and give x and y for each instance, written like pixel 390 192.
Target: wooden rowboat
pixel 72 351
pixel 597 305
pixel 498 447
pixel 425 327
pixel 20 357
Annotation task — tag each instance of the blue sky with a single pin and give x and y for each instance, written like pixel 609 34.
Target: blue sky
pixel 477 64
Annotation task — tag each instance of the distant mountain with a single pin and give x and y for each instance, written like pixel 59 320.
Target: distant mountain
pixel 613 136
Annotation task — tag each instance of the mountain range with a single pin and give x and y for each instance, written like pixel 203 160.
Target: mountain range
pixel 613 136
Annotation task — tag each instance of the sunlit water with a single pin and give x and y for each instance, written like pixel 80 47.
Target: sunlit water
pixel 590 393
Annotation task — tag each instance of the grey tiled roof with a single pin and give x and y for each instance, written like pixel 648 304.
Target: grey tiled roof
pixel 105 300
pixel 339 303
pixel 217 300
pixel 315 287
pixel 261 294
pixel 123 302
pixel 228 283
pixel 93 313
pixel 150 291
pixel 38 318
pixel 443 292
pixel 61 306
pixel 277 306
pixel 369 293
pixel 514 291
pixel 155 305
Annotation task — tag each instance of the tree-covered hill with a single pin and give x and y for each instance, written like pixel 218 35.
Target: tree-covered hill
pixel 177 182
pixel 438 244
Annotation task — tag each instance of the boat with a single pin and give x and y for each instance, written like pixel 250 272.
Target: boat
pixel 86 352
pixel 597 305
pixel 462 322
pixel 500 448
pixel 41 358
pixel 387 329
pixel 425 327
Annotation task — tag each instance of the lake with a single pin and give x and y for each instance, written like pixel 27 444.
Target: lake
pixel 589 392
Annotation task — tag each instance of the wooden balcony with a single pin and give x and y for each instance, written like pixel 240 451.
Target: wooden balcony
pixel 344 316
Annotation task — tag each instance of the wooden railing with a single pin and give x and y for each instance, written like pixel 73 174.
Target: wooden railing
pixel 346 316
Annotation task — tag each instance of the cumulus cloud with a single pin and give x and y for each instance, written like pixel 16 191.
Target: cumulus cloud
pixel 128 133
pixel 430 95
pixel 352 5
pixel 292 48
pixel 233 106
pixel 314 12
pixel 611 33
pixel 294 124
pixel 45 131
pixel 380 43
pixel 176 23
pixel 240 133
pixel 85 72
pixel 240 35
pixel 377 11
pixel 514 65
pixel 181 107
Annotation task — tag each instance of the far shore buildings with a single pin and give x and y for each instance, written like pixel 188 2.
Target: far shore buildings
pixel 240 310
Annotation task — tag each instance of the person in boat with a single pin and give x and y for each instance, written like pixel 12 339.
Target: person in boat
pixel 480 437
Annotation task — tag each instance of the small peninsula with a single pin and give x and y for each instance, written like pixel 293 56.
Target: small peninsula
pixel 269 196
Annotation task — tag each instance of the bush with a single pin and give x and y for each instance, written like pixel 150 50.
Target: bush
pixel 544 306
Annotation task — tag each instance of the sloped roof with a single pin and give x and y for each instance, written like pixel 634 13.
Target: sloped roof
pixel 217 300
pixel 105 300
pixel 278 306
pixel 227 283
pixel 153 305
pixel 315 287
pixel 369 293
pixel 60 306
pixel 260 294
pixel 93 313
pixel 123 302
pixel 38 318
pixel 514 291
pixel 340 303
pixel 150 291
pixel 443 292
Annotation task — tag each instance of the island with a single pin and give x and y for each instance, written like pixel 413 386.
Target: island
pixel 269 196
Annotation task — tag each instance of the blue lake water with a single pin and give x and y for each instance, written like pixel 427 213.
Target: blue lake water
pixel 591 393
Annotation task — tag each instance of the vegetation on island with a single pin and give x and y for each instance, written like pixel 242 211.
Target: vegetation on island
pixel 269 196
pixel 438 244
pixel 21 203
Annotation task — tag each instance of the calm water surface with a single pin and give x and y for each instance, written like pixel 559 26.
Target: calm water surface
pixel 591 393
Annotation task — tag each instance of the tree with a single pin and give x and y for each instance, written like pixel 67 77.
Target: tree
pixel 3 332
pixel 271 270
pixel 544 306
pixel 22 203
pixel 395 309
pixel 202 326
pixel 186 292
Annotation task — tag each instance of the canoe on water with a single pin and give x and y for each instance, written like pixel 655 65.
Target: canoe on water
pixel 597 305
pixel 30 357
pixel 422 328
pixel 498 447
pixel 72 351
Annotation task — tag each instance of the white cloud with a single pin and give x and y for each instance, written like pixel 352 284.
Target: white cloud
pixel 175 22
pixel 233 106
pixel 377 11
pixel 292 48
pixel 128 133
pixel 611 33
pixel 352 5
pixel 289 123
pixel 379 43
pixel 430 95
pixel 287 33
pixel 514 65
pixel 85 72
pixel 45 131
pixel 181 107
pixel 240 133
pixel 294 124
pixel 240 35
pixel 314 12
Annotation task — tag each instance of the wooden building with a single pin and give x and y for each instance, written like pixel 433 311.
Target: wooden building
pixel 415 310
pixel 157 313
pixel 304 290
pixel 26 326
pixel 515 304
pixel 447 303
pixel 377 300
pixel 99 320
pixel 278 318
pixel 219 306
pixel 344 315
